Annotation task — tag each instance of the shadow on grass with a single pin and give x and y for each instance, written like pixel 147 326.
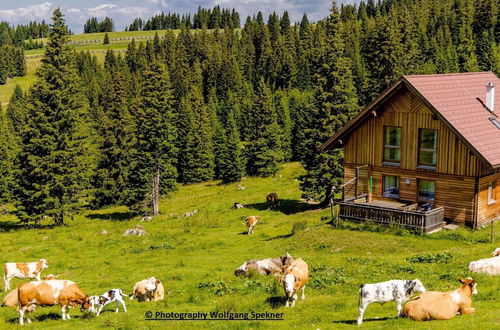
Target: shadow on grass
pixel 6 226
pixel 279 237
pixel 286 206
pixel 115 216
pixel 355 322
pixel 276 302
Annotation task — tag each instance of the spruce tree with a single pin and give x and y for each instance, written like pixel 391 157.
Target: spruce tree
pixel 53 162
pixel 106 39
pixel 264 147
pixel 7 152
pixel 152 162
pixel 232 165
pixel 335 102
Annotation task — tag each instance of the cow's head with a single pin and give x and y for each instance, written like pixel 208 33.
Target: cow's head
pixel 242 270
pixel 470 283
pixel 151 284
pixel 289 285
pixel 42 264
pixel 86 304
pixel 496 253
pixel 414 286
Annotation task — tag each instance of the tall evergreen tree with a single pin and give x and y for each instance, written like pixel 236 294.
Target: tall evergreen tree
pixel 264 147
pixel 152 161
pixel 335 103
pixel 232 165
pixel 53 160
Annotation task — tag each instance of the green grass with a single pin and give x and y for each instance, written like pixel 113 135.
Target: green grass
pixel 195 258
pixel 113 35
pixel 25 82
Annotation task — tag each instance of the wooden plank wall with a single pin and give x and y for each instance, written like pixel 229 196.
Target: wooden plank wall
pixel 488 212
pixel 454 193
pixel 365 144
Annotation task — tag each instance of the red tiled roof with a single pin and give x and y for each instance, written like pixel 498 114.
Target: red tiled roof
pixel 454 97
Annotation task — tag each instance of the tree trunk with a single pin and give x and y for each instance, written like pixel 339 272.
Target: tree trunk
pixel 156 192
pixel 328 196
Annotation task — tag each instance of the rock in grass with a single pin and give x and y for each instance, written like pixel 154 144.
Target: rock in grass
pixel 134 232
pixel 189 214
pixel 146 219
pixel 104 232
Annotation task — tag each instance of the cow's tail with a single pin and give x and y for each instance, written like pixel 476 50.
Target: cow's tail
pixel 122 294
pixel 360 294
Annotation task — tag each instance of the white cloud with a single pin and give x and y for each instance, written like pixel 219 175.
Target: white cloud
pixel 28 13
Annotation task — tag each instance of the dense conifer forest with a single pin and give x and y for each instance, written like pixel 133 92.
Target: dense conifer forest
pixel 220 102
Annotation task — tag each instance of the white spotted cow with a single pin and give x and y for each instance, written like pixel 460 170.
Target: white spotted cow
pixel 294 279
pixel 22 270
pixel 399 291
pixel 113 295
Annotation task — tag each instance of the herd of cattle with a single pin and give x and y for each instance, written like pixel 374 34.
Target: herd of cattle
pixel 293 274
pixel 51 291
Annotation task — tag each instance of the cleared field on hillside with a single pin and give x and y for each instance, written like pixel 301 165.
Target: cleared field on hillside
pixel 195 258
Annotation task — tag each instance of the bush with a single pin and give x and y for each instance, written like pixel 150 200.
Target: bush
pixel 430 258
pixel 298 226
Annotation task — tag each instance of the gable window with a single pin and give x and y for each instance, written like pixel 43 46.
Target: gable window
pixel 392 145
pixel 427 149
pixel 491 192
pixel 426 191
pixel 391 186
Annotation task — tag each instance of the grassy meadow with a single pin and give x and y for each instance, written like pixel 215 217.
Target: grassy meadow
pixel 195 259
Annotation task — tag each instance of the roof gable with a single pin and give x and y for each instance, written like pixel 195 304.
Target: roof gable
pixel 454 99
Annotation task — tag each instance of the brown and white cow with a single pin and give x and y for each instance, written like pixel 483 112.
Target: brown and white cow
pixel 267 266
pixel 250 222
pixel 146 290
pixel 50 293
pixel 272 200
pixel 22 270
pixel 433 305
pixel 295 277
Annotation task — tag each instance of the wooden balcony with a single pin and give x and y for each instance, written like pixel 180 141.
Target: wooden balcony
pixel 393 214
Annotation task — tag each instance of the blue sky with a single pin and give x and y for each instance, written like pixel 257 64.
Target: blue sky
pixel 124 11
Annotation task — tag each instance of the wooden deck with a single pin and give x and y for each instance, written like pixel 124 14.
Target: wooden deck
pixel 393 213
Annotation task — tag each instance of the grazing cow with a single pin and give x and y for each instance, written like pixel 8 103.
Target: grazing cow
pixel 250 222
pixel 272 200
pixel 145 290
pixel 267 266
pixel 22 270
pixel 113 295
pixel 50 293
pixel 490 266
pixel 146 219
pixel 433 305
pixel 295 278
pixel 399 291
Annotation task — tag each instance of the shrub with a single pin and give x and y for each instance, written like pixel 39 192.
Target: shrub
pixel 298 226
pixel 430 258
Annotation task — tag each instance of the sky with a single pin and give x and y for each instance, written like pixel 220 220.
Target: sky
pixel 124 11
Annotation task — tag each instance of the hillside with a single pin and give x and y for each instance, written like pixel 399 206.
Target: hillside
pixel 92 42
pixel 195 258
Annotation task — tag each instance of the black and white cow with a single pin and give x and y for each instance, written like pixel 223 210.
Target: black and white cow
pixel 98 302
pixel 399 291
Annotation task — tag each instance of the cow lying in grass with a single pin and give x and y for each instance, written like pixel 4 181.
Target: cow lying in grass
pixel 399 291
pixel 113 295
pixel 150 289
pixel 490 266
pixel 433 305
pixel 22 270
pixel 50 293
pixel 295 278
pixel 267 266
